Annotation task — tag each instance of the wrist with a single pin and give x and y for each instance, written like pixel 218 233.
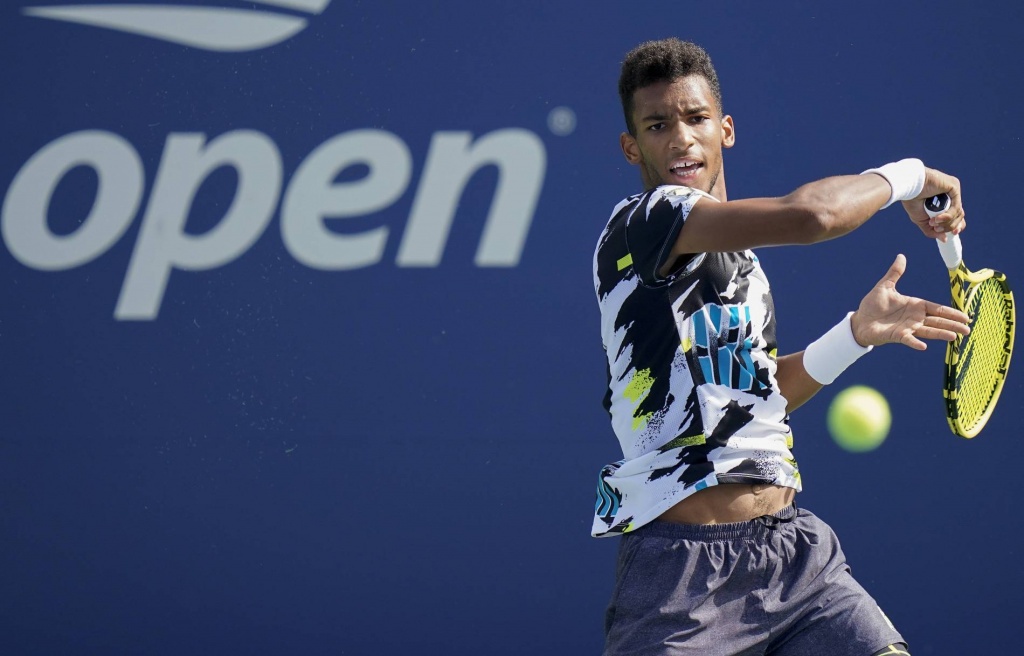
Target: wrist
pixel 855 322
pixel 905 177
pixel 829 355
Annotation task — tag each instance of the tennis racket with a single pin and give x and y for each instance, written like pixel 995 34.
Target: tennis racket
pixel 976 364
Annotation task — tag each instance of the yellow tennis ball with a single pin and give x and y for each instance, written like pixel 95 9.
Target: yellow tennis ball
pixel 859 418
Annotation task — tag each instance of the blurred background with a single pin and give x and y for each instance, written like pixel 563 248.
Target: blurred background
pixel 299 348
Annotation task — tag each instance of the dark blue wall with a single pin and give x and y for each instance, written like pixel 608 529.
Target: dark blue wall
pixel 391 459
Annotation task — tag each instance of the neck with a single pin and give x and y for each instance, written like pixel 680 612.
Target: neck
pixel 718 189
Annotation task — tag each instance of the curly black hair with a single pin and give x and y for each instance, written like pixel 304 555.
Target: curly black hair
pixel 667 59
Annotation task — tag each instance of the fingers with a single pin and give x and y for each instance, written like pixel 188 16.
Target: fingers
pixel 936 182
pixel 952 220
pixel 948 221
pixel 947 314
pixel 913 342
pixel 895 272
pixel 937 334
pixel 942 324
pixel 886 316
pixel 940 334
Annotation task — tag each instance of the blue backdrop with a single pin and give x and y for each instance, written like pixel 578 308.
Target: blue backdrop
pixel 298 340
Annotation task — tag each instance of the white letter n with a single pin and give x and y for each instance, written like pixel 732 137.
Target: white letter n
pixel 452 161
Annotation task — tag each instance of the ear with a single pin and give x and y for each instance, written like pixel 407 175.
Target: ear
pixel 728 132
pixel 630 148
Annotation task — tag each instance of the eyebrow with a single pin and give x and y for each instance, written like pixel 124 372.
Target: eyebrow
pixel 657 116
pixel 690 111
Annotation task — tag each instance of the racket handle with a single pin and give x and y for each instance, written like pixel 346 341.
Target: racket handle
pixel 951 250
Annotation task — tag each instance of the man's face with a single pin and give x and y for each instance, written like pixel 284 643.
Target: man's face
pixel 679 135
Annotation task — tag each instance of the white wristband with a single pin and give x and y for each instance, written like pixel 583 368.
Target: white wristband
pixel 906 177
pixel 829 355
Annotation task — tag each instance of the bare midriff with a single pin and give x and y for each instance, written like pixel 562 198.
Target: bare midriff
pixel 729 503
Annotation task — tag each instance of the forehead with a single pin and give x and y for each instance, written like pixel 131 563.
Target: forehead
pixel 682 93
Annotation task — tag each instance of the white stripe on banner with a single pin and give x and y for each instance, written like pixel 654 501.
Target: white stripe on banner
pixel 312 6
pixel 220 29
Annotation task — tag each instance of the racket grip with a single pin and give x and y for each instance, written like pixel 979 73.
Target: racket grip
pixel 951 250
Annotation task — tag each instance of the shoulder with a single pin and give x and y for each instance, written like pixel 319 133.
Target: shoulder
pixel 627 204
pixel 678 194
pixel 670 199
pixel 620 214
pixel 671 193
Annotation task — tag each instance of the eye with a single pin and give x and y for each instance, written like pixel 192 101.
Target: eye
pixel 698 119
pixel 656 127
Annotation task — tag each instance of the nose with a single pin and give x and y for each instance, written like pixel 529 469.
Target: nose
pixel 682 136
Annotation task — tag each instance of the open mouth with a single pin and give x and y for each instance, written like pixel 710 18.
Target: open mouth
pixel 685 170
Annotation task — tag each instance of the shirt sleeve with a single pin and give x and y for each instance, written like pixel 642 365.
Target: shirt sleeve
pixel 654 226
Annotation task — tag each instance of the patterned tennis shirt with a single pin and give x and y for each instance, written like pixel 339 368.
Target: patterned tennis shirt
pixel 692 392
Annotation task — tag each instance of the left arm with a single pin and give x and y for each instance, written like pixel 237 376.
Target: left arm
pixel 884 317
pixel 795 384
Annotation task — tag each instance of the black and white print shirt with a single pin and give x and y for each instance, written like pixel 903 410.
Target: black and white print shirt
pixel 691 366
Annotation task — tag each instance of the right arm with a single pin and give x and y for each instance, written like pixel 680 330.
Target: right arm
pixel 815 212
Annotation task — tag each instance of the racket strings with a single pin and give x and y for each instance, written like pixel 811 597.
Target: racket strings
pixel 978 370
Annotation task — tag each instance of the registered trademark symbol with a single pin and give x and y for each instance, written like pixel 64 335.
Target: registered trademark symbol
pixel 562 121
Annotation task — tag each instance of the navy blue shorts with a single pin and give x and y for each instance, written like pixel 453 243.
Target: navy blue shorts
pixel 777 585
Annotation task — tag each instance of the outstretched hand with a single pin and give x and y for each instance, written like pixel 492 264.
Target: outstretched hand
pixel 887 317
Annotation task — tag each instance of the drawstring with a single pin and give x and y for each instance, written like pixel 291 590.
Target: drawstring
pixel 773 521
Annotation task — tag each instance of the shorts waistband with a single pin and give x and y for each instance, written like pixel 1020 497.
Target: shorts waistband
pixel 707 532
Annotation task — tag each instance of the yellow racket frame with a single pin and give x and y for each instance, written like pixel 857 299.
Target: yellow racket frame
pixel 969 409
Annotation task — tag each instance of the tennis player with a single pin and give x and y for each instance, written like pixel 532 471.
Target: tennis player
pixel 715 558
